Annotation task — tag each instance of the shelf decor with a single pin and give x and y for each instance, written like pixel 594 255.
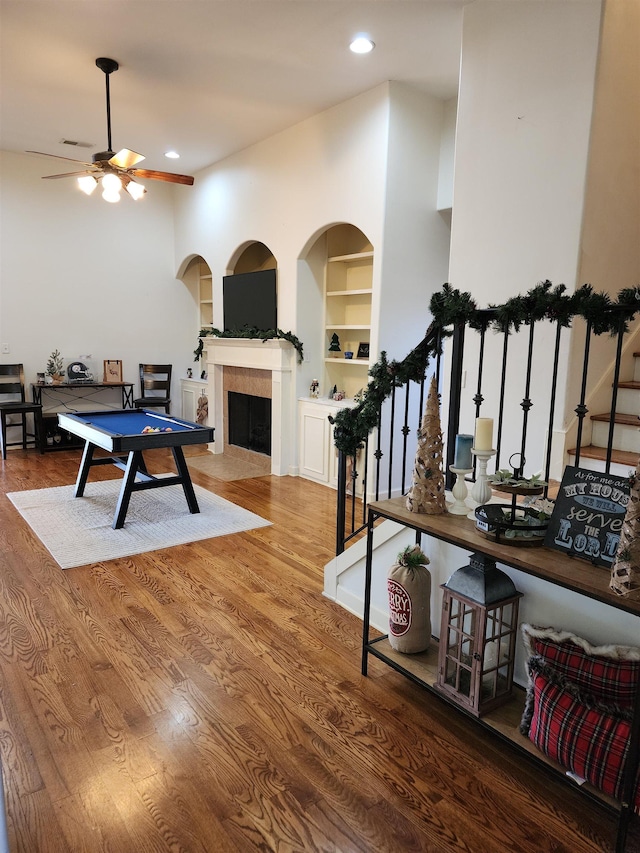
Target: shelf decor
pixel 409 590
pixel 625 571
pixel 427 492
pixel 478 636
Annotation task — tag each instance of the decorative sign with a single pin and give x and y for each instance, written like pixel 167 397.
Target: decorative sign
pixel 588 515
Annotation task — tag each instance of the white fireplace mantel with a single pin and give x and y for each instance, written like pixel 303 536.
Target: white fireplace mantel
pixel 276 356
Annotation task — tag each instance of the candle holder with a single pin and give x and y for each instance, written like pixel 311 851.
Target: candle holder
pixel 481 491
pixel 459 491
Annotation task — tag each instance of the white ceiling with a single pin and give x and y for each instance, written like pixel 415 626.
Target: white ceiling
pixel 204 77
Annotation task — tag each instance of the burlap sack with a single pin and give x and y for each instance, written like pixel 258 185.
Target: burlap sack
pixel 409 589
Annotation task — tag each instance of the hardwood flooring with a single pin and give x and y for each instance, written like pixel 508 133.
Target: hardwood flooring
pixel 207 697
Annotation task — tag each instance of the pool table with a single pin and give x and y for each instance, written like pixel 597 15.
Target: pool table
pixel 132 431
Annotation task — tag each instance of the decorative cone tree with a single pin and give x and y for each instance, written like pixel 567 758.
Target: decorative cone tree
pixel 625 572
pixel 426 494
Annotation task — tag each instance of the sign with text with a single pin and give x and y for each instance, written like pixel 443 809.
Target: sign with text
pixel 588 515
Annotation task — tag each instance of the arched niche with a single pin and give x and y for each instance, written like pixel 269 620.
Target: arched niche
pixel 252 257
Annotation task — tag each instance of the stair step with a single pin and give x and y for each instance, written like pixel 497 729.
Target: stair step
pixel 620 457
pixel 620 418
pixel 633 385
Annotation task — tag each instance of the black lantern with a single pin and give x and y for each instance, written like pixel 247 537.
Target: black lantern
pixel 478 636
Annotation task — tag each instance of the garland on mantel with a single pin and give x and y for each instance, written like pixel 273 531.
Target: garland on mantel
pixel 253 333
pixel 450 307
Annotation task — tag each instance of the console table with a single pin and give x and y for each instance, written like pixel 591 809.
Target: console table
pixel 549 565
pixel 65 396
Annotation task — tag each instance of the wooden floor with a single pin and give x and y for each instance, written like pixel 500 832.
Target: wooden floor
pixel 207 697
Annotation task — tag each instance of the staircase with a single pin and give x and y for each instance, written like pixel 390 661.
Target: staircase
pixel 626 434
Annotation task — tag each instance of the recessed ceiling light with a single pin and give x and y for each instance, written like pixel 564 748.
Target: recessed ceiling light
pixel 172 155
pixel 361 44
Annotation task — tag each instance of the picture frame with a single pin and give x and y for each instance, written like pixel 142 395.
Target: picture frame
pixel 363 349
pixel 112 370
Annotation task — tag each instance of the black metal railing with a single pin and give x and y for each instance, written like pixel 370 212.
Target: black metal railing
pixel 523 377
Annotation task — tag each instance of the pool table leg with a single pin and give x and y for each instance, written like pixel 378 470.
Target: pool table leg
pixel 83 472
pixel 187 485
pixel 135 462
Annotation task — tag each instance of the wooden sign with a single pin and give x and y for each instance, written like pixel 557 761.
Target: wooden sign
pixel 588 515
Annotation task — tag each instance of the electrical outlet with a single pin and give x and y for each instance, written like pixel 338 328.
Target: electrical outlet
pixel 5 349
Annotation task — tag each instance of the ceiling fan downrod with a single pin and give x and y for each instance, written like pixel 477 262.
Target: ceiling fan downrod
pixel 108 66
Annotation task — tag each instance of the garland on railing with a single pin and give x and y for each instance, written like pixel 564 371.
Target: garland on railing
pixel 253 333
pixel 450 307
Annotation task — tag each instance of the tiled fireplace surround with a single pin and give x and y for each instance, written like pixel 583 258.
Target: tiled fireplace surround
pixel 259 368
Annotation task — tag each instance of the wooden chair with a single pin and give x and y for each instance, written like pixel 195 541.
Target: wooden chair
pixel 13 402
pixel 155 387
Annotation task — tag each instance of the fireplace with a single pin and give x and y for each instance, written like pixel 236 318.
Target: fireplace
pixel 256 368
pixel 250 422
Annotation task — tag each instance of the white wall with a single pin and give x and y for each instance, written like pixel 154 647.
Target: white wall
pixel 85 276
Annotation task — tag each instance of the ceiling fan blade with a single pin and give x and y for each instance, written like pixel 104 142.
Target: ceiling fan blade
pixel 125 159
pixel 58 157
pixel 169 177
pixel 71 174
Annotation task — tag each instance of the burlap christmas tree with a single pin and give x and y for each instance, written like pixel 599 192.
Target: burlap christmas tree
pixel 427 491
pixel 625 572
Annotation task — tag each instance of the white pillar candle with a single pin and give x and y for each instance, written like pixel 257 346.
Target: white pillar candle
pixel 484 434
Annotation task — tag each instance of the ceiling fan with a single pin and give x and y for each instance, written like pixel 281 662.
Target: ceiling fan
pixel 114 170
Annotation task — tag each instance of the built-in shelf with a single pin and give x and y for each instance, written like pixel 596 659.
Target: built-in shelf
pixel 364 291
pixel 358 257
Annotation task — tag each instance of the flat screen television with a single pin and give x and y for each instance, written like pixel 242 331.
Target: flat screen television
pixel 250 300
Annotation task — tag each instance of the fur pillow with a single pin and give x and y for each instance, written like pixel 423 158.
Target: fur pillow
pixel 610 674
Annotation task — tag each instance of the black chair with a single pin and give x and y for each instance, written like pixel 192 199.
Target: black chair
pixel 155 387
pixel 13 402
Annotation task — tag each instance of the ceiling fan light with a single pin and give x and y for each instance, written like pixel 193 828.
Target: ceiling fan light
pixel 135 190
pixel 111 196
pixel 361 44
pixel 111 183
pixel 87 184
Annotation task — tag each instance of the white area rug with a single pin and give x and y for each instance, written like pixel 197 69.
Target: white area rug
pixel 78 531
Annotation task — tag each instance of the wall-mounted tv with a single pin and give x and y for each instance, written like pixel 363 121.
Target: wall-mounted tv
pixel 250 300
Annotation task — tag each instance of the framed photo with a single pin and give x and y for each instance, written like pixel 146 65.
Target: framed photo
pixel 363 350
pixel 112 370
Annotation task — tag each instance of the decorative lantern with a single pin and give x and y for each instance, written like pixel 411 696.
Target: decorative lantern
pixel 478 636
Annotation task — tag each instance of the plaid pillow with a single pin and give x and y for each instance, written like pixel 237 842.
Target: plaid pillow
pixel 576 731
pixel 609 673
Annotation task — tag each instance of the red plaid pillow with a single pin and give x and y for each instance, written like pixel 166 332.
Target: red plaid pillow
pixel 577 733
pixel 609 673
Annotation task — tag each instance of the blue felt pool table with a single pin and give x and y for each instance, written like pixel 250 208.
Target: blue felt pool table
pixel 132 431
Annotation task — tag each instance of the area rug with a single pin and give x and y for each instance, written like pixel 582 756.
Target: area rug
pixel 77 531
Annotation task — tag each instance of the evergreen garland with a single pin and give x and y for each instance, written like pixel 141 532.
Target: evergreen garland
pixel 450 307
pixel 248 332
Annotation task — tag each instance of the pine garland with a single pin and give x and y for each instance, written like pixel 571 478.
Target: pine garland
pixel 449 308
pixel 253 333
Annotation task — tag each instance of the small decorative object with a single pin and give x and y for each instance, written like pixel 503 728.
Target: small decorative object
pixel 78 372
pixel 459 491
pixel 189 373
pixel 348 354
pixel 40 378
pixel 478 636
pixel 333 392
pixel 55 367
pixel 202 411
pixel 516 524
pixel 625 571
pixel 462 454
pixel 203 375
pixel 427 493
pixel 334 346
pixel 339 395
pixel 409 589
pixel 589 515
pixel 483 451
pixel 363 350
pixel 112 370
pixel 314 389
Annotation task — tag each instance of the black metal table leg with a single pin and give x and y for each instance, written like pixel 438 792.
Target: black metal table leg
pixel 83 472
pixel 134 461
pixel 185 479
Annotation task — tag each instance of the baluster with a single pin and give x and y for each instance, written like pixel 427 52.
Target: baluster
pixel 457 356
pixel 503 386
pixel 552 406
pixel 341 508
pixel 581 410
pixel 378 452
pixel 392 417
pixel 405 433
pixel 614 392
pixel 526 403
